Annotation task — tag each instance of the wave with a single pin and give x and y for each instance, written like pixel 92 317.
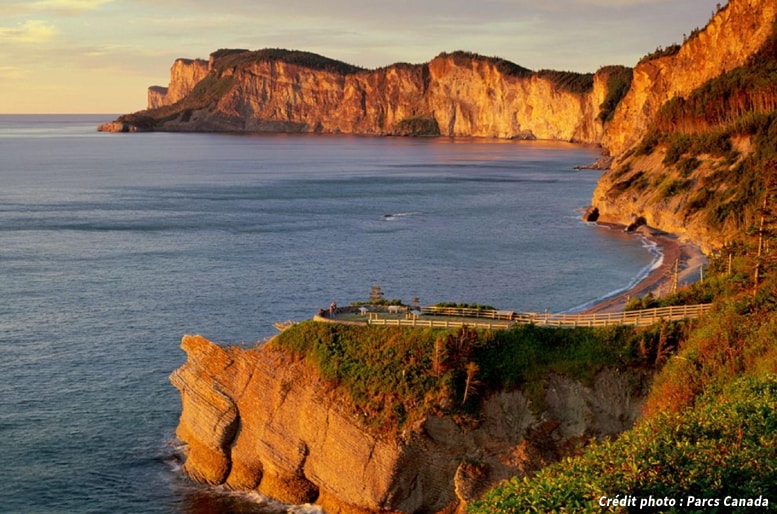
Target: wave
pixel 172 455
pixel 658 260
pixel 399 215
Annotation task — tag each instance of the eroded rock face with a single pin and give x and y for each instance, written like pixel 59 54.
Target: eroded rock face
pixel 184 75
pixel 641 184
pixel 259 419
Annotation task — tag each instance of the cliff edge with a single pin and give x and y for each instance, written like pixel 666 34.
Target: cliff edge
pixel 266 420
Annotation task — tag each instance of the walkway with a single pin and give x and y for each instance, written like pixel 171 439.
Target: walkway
pixel 446 317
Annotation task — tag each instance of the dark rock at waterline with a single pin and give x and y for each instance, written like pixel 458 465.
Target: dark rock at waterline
pixel 636 222
pixel 591 214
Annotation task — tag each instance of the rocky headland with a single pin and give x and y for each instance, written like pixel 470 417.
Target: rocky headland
pixel 456 94
pixel 263 419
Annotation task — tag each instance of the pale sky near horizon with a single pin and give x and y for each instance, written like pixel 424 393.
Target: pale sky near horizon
pixel 100 56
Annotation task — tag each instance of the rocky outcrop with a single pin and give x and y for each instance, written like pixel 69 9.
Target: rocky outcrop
pixel 259 419
pixel 185 74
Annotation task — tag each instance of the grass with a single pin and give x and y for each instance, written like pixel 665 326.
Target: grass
pixel 395 375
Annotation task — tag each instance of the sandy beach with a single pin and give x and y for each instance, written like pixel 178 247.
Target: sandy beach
pixel 687 258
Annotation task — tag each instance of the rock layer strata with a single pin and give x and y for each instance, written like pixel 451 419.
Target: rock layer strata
pixel 259 419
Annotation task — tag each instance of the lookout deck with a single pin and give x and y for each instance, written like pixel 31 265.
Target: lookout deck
pixel 447 317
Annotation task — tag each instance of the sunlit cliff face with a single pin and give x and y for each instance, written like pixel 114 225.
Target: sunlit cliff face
pixel 732 36
pixel 467 96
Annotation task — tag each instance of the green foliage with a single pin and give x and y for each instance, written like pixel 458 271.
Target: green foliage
pixel 382 301
pixel 620 171
pixel 639 182
pixel 660 52
pixel 678 146
pixel 722 101
pixel 226 59
pixel 688 165
pixel 418 126
pixel 570 81
pixel 618 84
pixel 525 355
pixel 716 143
pixel 726 446
pixel 671 188
pixel 648 143
pixel 462 58
pixel 460 305
pixel 385 371
pixel 737 205
pixel 204 95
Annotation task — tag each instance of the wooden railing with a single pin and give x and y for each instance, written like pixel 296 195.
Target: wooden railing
pixel 503 319
pixel 438 323
pixel 642 317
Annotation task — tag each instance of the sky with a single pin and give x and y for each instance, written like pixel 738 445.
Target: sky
pixel 100 56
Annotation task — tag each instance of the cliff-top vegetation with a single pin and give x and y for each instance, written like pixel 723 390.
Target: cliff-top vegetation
pixel 704 174
pixel 463 58
pixel 397 375
pixel 710 421
pixel 225 58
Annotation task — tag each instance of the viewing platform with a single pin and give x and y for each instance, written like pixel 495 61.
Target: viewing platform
pixel 493 319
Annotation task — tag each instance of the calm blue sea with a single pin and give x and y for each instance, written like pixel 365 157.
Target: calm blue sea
pixel 114 246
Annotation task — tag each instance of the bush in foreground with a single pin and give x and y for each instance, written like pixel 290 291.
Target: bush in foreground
pixel 723 453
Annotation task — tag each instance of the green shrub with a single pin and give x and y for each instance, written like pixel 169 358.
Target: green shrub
pixel 639 182
pixel 660 52
pixel 671 188
pixel 618 84
pixel 725 447
pixel 679 145
pixel 418 126
pixel 648 143
pixel 688 165
pixel 570 81
pixel 463 58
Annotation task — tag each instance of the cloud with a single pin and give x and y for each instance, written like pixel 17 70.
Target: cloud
pixel 11 73
pixel 70 6
pixel 31 31
pixel 61 7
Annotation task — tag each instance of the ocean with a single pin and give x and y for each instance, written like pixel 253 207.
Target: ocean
pixel 113 246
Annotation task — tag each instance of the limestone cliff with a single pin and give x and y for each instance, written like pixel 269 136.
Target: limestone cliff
pixel 458 94
pixel 184 75
pixel 261 419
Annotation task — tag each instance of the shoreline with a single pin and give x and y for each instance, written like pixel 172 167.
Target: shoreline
pixel 688 258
